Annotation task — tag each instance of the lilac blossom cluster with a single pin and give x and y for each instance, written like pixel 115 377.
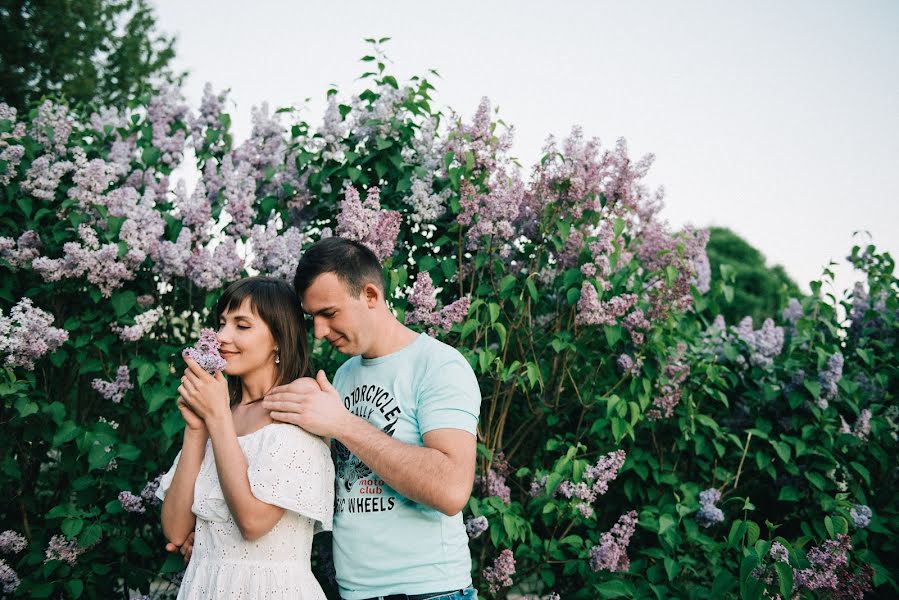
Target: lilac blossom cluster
pixel 114 390
pixel 52 127
pixel 239 193
pixel 779 552
pixel 60 548
pixel 9 579
pixel 166 113
pixel 27 334
pixel 11 152
pixel 426 205
pixel 12 542
pixel 611 552
pixel 829 378
pixel 478 140
pixel 148 494
pixel 628 365
pixel 792 313
pixel 276 254
pixel 365 222
pixel 596 479
pixel 861 515
pixel 19 253
pixel 494 484
pixel 100 263
pixel 862 427
pixel 765 344
pixel 708 513
pixel 829 572
pixel 143 324
pixel 475 526
pixel 131 503
pixel 499 575
pixel 206 352
pixel 668 395
pixel 496 212
pixel 424 302
pixel 591 311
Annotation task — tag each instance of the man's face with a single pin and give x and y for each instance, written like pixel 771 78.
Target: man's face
pixel 337 316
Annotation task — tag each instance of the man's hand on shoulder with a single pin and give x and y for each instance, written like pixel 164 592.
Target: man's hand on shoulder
pixel 312 404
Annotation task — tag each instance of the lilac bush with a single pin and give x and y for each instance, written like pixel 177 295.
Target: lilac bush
pixel 631 444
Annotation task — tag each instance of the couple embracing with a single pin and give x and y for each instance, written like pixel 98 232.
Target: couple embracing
pixel 254 480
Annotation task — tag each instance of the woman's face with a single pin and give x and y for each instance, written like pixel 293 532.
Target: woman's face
pixel 246 341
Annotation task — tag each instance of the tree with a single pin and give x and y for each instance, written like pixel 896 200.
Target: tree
pixel 99 51
pixel 759 291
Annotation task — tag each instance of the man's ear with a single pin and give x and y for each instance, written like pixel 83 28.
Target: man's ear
pixel 372 294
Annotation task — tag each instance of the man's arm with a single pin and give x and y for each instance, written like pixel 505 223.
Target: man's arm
pixel 439 474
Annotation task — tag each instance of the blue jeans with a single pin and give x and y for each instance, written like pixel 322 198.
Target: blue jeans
pixel 466 594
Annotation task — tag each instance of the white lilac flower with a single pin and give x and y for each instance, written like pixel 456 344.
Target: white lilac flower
pixel 9 579
pixel 143 323
pixel 861 515
pixel 12 542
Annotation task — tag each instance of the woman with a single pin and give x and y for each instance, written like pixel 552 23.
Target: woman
pixel 254 491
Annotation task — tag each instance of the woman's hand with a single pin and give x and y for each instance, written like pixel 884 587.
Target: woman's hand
pixel 193 422
pixel 206 396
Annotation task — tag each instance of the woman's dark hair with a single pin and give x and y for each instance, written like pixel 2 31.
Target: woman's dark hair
pixel 353 263
pixel 278 305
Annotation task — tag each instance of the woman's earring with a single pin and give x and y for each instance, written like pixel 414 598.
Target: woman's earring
pixel 277 357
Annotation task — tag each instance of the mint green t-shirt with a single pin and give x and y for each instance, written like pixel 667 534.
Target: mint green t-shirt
pixel 385 543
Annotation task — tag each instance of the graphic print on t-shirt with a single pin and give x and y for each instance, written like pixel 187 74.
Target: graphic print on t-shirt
pixel 377 406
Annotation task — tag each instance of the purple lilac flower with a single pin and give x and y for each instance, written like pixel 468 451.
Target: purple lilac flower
pixel 12 542
pixel 829 378
pixel 145 300
pixel 174 257
pixel 26 334
pixel 9 579
pixel 636 325
pixel 764 344
pixel 628 365
pixel 604 471
pixel 862 427
pixel 779 552
pixel 211 269
pixel 702 270
pixel 62 549
pixel 585 509
pixel 538 486
pixel 148 494
pixel 131 503
pixel 114 390
pixel 164 112
pixel 496 210
pixel 196 209
pixel 829 571
pixel 590 311
pixel 475 526
pixel 365 222
pixel 276 254
pixel 792 313
pixel 143 323
pixel 611 552
pixel 861 515
pixel 565 489
pixel 21 252
pixel 91 180
pixel 211 106
pixel 499 575
pixel 100 264
pixel 479 139
pixel 52 127
pixel 11 154
pixel 708 513
pixel 43 176
pixel 239 195
pixel 206 352
pixel 424 302
pixel 495 485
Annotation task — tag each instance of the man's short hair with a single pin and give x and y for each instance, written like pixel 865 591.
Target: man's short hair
pixel 353 263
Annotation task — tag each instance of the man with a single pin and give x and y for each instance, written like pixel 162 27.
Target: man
pixel 403 413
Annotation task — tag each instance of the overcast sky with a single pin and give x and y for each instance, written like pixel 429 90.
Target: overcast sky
pixel 778 119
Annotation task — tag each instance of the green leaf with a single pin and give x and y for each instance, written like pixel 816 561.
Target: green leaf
pixel 828 525
pixel 90 536
pixel 813 387
pixel 26 407
pixel 501 332
pixel 494 311
pixel 71 527
pixel 156 397
pixel 752 533
pixel 785 579
pixel 150 156
pixel 532 289
pixel 613 334
pixel 67 432
pixel 144 372
pixel 666 522
pixel 788 494
pixel 615 588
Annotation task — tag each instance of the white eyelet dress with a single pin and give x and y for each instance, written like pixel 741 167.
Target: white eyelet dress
pixel 288 467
